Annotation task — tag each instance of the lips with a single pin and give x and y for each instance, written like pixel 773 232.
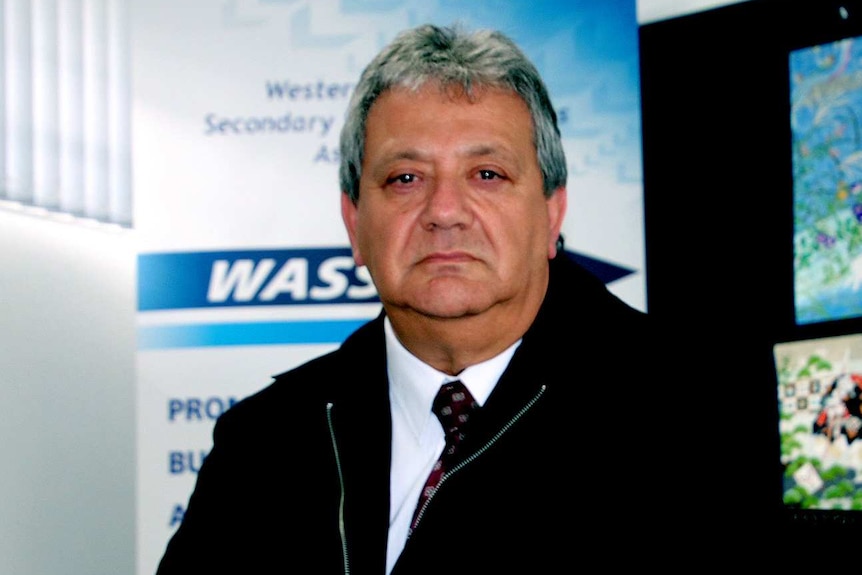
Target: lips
pixel 448 258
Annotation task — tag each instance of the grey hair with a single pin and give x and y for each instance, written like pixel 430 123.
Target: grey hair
pixel 458 59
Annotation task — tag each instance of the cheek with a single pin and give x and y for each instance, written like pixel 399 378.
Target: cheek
pixel 522 226
pixel 371 236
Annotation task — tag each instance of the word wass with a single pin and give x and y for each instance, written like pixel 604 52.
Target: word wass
pixel 335 279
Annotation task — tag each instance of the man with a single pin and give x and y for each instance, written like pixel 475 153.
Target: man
pixel 454 192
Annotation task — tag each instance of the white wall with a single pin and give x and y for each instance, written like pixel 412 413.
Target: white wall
pixel 652 10
pixel 67 464
pixel 67 388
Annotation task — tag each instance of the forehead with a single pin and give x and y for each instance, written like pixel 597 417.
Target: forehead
pixel 432 112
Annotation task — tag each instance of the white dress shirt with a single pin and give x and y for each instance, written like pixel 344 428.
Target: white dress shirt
pixel 417 437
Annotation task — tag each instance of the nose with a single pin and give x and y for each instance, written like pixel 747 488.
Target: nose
pixel 446 203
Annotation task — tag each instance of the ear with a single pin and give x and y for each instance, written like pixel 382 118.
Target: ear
pixel 349 214
pixel 556 212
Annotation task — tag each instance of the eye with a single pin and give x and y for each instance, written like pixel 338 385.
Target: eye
pixel 402 179
pixel 489 175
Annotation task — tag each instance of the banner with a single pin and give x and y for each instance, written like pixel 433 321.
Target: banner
pixel 244 267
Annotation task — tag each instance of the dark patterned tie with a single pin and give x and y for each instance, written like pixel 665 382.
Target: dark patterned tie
pixel 452 406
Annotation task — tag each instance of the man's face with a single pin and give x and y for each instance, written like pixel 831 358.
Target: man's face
pixel 451 219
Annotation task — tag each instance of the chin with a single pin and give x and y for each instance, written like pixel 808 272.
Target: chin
pixel 450 306
pixel 446 297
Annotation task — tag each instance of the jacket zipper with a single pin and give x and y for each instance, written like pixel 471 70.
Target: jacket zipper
pixel 443 478
pixel 475 455
pixel 341 488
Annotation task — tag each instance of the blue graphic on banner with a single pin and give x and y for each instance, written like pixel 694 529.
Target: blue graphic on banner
pixel 605 271
pixel 168 281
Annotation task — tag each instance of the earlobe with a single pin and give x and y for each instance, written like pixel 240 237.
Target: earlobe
pixel 556 212
pixel 349 216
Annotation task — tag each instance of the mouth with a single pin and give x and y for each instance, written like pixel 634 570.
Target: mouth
pixel 444 258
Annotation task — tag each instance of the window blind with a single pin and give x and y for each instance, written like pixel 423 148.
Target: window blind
pixel 65 92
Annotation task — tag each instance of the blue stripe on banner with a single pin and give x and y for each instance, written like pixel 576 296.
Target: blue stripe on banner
pixel 260 333
pixel 312 276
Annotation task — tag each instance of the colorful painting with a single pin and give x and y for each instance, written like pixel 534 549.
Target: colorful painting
pixel 826 123
pixel 820 422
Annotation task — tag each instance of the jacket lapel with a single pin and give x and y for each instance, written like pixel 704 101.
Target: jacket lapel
pixel 362 423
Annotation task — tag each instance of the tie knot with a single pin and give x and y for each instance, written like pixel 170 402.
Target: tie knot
pixel 453 406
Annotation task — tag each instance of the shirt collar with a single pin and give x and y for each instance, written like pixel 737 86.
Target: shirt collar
pixel 413 384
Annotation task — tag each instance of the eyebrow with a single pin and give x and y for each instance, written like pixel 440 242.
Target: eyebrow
pixel 474 151
pixel 480 150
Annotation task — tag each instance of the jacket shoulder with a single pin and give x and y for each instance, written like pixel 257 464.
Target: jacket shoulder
pixel 319 379
pixel 577 296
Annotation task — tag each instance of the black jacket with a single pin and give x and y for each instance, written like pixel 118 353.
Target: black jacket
pixel 572 447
